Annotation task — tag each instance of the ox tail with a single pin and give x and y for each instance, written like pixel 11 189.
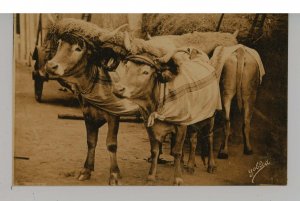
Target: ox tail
pixel 239 75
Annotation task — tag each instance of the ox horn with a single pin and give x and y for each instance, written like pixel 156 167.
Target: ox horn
pixel 149 37
pixel 108 36
pixel 170 54
pixel 127 42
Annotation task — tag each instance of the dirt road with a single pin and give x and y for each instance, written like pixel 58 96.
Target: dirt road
pixel 57 148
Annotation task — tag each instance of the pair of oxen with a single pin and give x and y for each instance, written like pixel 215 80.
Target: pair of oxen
pixel 86 53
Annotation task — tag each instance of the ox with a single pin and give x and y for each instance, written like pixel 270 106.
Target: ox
pixel 241 75
pixel 206 41
pixel 141 83
pixel 77 62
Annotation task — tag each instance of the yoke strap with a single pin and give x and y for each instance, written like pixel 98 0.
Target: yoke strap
pixel 144 60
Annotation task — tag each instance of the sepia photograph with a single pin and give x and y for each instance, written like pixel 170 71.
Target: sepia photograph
pixel 150 99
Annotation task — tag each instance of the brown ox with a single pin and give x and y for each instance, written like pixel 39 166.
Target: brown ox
pixel 75 62
pixel 140 83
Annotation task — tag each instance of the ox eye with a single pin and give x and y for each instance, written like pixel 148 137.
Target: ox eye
pixel 145 73
pixel 58 43
pixel 78 49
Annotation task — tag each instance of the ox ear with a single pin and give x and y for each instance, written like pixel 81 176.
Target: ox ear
pixel 193 53
pixel 127 42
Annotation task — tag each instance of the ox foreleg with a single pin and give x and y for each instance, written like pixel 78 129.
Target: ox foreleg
pixel 154 159
pixel 193 144
pixel 92 138
pixel 177 152
pixel 111 144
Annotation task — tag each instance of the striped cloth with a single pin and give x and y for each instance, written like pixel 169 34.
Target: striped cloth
pixel 103 98
pixel 191 97
pixel 194 94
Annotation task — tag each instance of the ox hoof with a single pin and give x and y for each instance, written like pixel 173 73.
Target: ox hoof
pixel 151 178
pixel 190 170
pixel 248 151
pixel 84 174
pixel 211 169
pixel 159 161
pixel 114 179
pixel 223 154
pixel 178 181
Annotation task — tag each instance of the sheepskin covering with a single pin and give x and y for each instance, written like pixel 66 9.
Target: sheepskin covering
pixel 88 31
pixel 102 97
pixel 206 41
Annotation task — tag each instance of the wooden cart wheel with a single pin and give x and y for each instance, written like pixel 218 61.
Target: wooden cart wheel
pixel 38 86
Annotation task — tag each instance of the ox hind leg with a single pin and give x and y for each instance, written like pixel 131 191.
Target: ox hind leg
pixel 111 144
pixel 211 168
pixel 248 106
pixel 92 138
pixel 226 100
pixel 250 84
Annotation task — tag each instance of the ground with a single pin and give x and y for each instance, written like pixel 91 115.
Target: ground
pixel 57 148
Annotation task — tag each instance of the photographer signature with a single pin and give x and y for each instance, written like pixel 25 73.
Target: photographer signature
pixel 257 168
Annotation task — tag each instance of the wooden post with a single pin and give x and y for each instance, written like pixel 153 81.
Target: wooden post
pixel 22 37
pixel 220 22
pixel 250 35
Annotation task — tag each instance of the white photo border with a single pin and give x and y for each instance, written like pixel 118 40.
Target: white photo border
pixel 79 193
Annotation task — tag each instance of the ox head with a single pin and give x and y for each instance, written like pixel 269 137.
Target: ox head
pixel 74 52
pixel 137 80
pixel 70 52
pixel 141 75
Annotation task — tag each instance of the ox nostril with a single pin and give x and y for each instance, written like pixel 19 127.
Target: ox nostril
pixel 122 89
pixel 119 90
pixel 51 66
pixel 54 67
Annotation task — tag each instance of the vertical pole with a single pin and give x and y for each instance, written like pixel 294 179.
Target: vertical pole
pixel 220 22
pixel 261 23
pixel 250 35
pixel 22 37
pixel 39 30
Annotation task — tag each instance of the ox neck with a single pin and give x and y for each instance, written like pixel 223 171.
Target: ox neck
pixel 149 103
pixel 85 80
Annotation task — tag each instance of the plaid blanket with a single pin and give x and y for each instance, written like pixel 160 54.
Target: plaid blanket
pixel 102 97
pixel 194 94
pixel 191 97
